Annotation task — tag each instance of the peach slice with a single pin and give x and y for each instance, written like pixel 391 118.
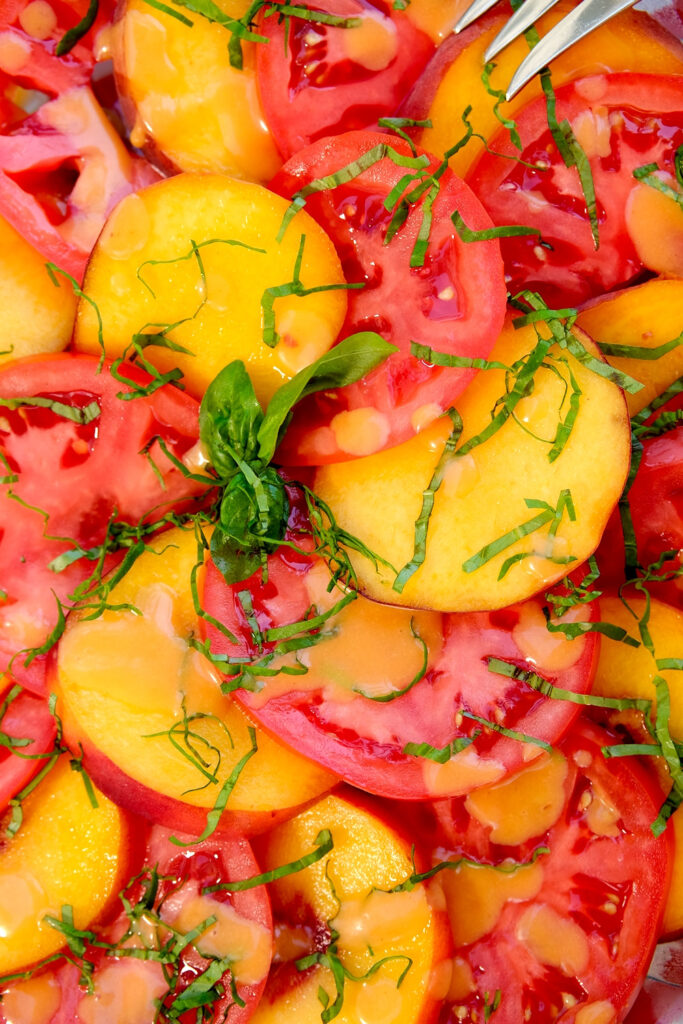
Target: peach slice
pixel 655 223
pixel 484 492
pixel 66 853
pixel 128 683
pixel 37 317
pixel 342 892
pixel 624 671
pixel 143 275
pixel 647 316
pixel 631 41
pixel 183 102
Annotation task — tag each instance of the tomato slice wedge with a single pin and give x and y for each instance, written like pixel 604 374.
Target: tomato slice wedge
pixel 66 483
pixel 575 934
pixel 167 888
pixel 319 79
pixel 392 677
pixel 32 32
pixel 454 302
pixel 28 730
pixel 655 500
pixel 623 122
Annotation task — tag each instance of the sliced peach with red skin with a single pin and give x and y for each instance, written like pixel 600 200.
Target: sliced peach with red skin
pixel 143 275
pixel 66 853
pixel 645 317
pixel 631 41
pixel 484 492
pixel 184 103
pixel 625 671
pixel 128 682
pixel 347 891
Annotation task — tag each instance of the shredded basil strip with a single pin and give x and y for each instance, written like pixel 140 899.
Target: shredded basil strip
pixel 454 865
pixel 165 9
pixel 324 843
pixel 647 174
pixel 428 495
pixel 386 698
pixel 441 755
pixel 466 234
pixel 430 355
pixel 76 414
pixel 572 154
pixel 345 174
pixel 639 351
pixel 547 515
pixel 75 34
pixel 53 270
pixel 572 630
pixel 548 689
pixel 214 815
pixel 511 734
pixel 500 97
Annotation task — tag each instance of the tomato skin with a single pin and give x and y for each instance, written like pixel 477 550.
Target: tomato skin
pixel 310 87
pixel 626 121
pixel 80 476
pixel 62 171
pixel 656 505
pixel 26 717
pixel 623 864
pixel 454 303
pixel 361 739
pixel 210 862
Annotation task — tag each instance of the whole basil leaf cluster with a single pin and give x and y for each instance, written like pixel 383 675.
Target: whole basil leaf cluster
pixel 241 440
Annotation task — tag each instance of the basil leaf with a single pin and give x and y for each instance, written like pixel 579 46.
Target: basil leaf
pixel 233 562
pixel 347 362
pixel 252 511
pixel 74 35
pixel 229 419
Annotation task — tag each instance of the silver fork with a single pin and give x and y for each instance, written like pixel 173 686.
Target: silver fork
pixel 574 26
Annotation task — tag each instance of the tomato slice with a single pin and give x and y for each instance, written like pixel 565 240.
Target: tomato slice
pixel 455 302
pixel 326 714
pixel 623 121
pixel 62 170
pixel 125 987
pixel 28 721
pixel 316 79
pixel 579 932
pixel 656 505
pixel 31 33
pixel 65 483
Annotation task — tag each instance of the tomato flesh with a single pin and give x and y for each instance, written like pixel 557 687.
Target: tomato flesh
pixel 454 302
pixel 66 481
pixel 623 121
pixel 605 875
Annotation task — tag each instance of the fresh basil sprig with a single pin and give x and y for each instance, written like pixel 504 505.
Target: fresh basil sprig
pixel 241 440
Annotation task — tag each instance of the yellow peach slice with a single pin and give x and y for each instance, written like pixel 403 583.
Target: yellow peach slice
pixel 66 853
pixel 630 41
pixel 647 316
pixel 143 275
pixel 624 671
pixel 655 224
pixel 183 102
pixel 484 493
pixel 129 682
pixel 37 317
pixel 343 890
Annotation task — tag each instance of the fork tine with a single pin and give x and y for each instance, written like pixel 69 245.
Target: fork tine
pixel 520 21
pixel 574 26
pixel 474 11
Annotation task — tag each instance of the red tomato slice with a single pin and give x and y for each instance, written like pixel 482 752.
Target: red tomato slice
pixel 363 740
pixel 31 33
pixel 604 883
pixel 62 170
pixel 454 303
pixel 661 998
pixel 126 985
pixel 656 504
pixel 623 121
pixel 317 80
pixel 65 481
pixel 27 717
